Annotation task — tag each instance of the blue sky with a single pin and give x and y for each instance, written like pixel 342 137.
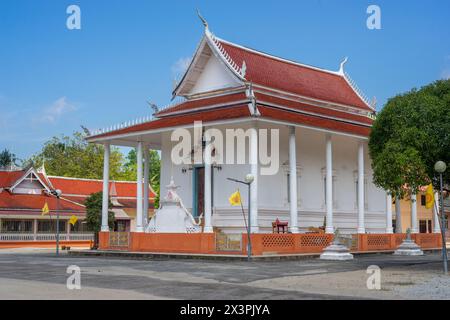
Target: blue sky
pixel 52 80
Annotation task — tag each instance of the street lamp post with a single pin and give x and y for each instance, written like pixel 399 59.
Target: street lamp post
pixel 57 194
pixel 440 168
pixel 248 181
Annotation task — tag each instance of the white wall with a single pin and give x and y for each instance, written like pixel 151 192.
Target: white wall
pixel 214 76
pixel 272 195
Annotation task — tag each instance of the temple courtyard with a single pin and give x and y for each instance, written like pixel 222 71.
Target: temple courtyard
pixel 38 274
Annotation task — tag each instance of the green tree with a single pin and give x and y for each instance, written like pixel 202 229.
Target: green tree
pixel 72 156
pixel 130 170
pixel 7 159
pixel 93 205
pixel 409 135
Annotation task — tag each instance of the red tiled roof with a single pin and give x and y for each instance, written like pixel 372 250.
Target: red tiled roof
pixel 126 203
pixel 198 103
pixel 261 98
pixel 288 76
pixel 313 121
pixel 33 213
pixel 73 186
pixel 233 112
pixel 33 201
pixel 8 178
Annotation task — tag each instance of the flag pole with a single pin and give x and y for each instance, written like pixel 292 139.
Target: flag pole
pixel 248 181
pixel 57 194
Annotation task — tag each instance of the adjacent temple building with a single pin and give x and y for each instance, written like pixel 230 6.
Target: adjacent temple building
pixel 25 192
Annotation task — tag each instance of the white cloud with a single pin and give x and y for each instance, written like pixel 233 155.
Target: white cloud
pixel 53 112
pixel 180 66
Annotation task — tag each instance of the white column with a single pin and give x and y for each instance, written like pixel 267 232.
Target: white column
pixel 329 185
pixel 139 201
pixel 293 180
pixel 361 225
pixel 436 222
pixel 207 189
pixel 35 229
pixel 146 184
pixel 398 216
pixel 414 228
pixel 389 213
pixel 254 228
pixel 105 198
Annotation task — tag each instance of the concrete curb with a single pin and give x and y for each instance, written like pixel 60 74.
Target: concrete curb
pixel 212 257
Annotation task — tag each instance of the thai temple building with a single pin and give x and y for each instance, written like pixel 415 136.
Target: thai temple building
pixel 25 192
pixel 304 132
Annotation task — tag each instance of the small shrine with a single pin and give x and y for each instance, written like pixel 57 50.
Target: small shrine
pixel 172 216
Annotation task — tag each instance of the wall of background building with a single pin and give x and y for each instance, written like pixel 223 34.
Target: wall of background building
pixel 423 213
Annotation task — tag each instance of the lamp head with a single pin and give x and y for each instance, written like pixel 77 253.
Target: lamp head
pixel 249 178
pixel 440 167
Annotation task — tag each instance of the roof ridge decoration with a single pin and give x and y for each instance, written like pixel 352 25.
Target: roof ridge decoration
pixel 30 170
pixel 42 171
pixel 252 106
pixel 357 90
pixel 120 126
pixel 341 67
pixel 205 23
pixel 353 85
pixel 240 71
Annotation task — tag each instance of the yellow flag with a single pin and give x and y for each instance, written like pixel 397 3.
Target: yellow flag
pixel 429 196
pixel 45 209
pixel 235 199
pixel 73 220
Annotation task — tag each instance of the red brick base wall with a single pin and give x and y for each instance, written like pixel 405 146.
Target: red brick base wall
pixel 262 243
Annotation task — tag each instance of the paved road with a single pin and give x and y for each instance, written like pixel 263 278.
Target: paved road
pixel 41 275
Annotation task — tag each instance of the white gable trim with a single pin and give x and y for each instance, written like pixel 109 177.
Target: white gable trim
pixel 235 71
pixel 30 171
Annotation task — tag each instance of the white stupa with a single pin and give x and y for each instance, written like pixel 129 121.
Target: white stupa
pixel 172 216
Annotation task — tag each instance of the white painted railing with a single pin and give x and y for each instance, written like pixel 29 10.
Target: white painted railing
pixel 16 237
pixel 45 237
pixel 81 236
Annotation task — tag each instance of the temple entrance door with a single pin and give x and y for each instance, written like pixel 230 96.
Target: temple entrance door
pixel 198 190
